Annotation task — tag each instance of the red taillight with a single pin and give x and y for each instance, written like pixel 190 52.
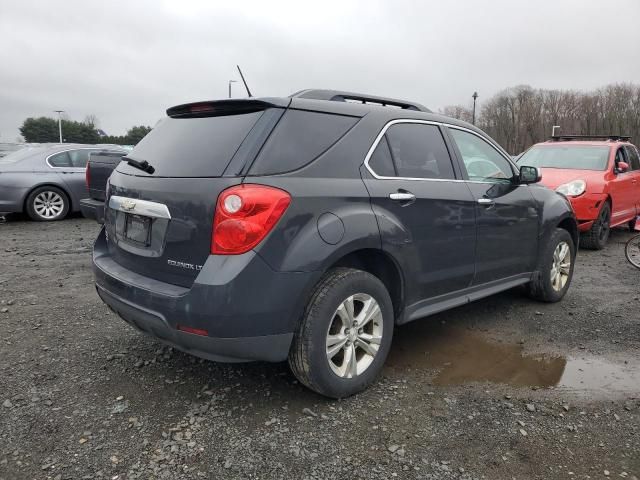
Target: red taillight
pixel 195 331
pixel 245 214
pixel 87 175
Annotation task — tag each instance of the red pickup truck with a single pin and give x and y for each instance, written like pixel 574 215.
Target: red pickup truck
pixel 599 174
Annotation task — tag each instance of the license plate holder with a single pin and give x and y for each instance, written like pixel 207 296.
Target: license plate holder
pixel 137 229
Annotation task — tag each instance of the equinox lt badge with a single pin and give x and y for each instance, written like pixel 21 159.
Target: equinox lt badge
pixel 188 266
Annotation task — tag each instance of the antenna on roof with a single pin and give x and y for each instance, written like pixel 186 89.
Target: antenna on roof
pixel 244 81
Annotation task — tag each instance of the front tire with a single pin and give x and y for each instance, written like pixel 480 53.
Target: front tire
pixel 597 236
pixel 555 268
pixel 47 204
pixel 345 334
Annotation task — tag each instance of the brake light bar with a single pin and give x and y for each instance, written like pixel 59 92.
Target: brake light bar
pixel 220 108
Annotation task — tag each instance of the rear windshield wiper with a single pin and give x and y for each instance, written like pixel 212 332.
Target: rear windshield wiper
pixel 143 165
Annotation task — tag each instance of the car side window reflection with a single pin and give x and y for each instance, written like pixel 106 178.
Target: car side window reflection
pixel 482 162
pixel 634 160
pixel 412 150
pixel 79 158
pixel 61 159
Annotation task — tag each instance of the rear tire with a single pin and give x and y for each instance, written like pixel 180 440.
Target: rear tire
pixel 555 268
pixel 597 236
pixel 47 204
pixel 329 336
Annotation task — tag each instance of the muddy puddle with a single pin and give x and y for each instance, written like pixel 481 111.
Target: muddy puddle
pixel 458 356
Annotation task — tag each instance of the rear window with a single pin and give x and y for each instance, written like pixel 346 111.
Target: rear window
pixel 578 157
pixel 192 147
pixel 299 139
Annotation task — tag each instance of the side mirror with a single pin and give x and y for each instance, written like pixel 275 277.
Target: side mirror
pixel 529 175
pixel 622 167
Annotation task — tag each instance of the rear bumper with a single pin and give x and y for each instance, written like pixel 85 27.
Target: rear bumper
pixel 91 208
pixel 248 310
pixel 273 348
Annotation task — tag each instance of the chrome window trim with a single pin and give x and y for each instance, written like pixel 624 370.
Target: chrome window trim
pixel 79 169
pixel 427 122
pixel 139 207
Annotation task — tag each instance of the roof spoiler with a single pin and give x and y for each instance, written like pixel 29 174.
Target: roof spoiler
pixel 614 138
pixel 218 108
pixel 338 96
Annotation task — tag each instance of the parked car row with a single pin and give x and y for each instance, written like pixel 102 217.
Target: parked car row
pixel 305 228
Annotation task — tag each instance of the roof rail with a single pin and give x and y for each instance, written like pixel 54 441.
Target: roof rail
pixel 614 138
pixel 338 96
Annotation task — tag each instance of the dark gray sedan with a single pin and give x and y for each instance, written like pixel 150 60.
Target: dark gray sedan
pixel 46 181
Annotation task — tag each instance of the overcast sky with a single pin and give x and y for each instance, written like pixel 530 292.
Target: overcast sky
pixel 127 61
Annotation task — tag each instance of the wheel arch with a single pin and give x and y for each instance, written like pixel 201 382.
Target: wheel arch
pixel 570 225
pixel 381 265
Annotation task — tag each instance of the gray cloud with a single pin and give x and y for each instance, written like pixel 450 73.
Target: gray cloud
pixel 126 62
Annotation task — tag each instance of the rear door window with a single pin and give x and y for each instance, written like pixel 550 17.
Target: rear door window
pixel 60 160
pixel 418 151
pixel 299 138
pixel 381 162
pixel 192 147
pixel 79 158
pixel 634 160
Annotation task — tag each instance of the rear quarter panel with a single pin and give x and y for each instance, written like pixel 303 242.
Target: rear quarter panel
pixel 296 244
pixel 15 186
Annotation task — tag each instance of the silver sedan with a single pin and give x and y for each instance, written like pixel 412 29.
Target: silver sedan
pixel 46 181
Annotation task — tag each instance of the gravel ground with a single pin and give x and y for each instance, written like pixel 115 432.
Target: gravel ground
pixel 502 388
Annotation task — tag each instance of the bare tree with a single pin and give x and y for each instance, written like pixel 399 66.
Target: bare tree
pixel 520 116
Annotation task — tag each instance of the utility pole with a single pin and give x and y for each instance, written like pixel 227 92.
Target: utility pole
pixel 230 82
pixel 59 112
pixel 475 97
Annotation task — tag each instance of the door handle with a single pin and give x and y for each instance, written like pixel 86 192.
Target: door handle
pixel 485 201
pixel 402 196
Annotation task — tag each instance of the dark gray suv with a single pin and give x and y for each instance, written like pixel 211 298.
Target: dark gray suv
pixel 306 228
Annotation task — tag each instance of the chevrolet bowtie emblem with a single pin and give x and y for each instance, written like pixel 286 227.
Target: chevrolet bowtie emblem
pixel 128 205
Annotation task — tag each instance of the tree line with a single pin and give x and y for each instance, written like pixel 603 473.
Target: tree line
pixel 521 116
pixel 45 130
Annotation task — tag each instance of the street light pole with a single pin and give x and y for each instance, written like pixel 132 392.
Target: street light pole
pixel 230 82
pixel 59 112
pixel 475 97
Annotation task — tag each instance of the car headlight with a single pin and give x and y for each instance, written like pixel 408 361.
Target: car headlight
pixel 572 189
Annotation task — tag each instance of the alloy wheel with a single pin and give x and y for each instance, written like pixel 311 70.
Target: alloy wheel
pixel 561 266
pixel 354 335
pixel 48 204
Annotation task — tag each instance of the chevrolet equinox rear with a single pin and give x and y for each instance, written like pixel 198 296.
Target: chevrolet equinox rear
pixel 306 228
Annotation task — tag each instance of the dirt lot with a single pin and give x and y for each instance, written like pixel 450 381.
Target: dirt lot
pixel 503 388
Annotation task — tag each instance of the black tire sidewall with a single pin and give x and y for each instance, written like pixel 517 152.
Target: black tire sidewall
pixel 319 316
pixel 602 242
pixel 549 293
pixel 31 210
